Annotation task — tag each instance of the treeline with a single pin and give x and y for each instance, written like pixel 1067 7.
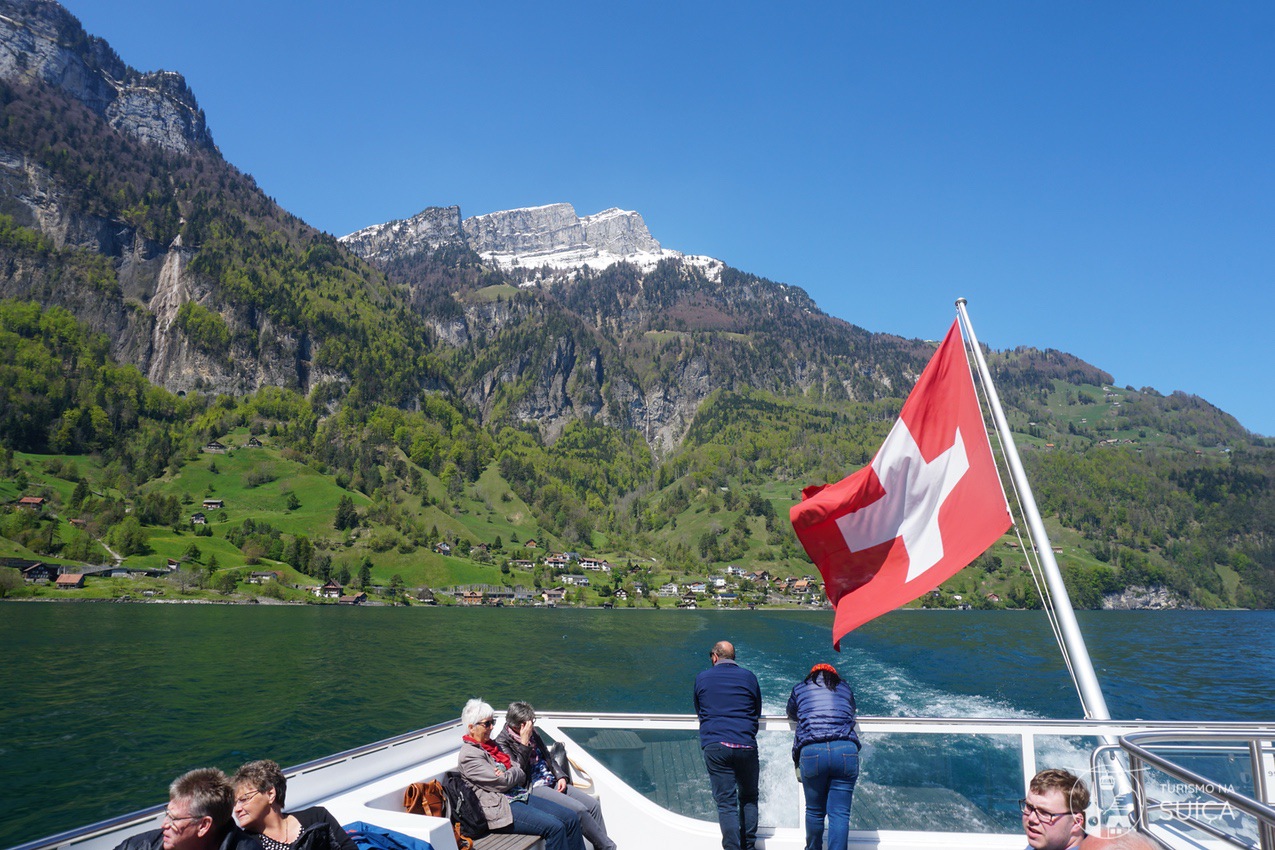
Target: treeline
pixel 1170 517
pixel 1197 524
pixel 60 392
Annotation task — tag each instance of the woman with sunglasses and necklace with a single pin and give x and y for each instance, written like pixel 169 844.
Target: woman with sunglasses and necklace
pixel 500 786
pixel 260 788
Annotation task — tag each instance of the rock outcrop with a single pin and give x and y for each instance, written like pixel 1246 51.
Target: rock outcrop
pixel 554 235
pixel 39 40
pixel 1137 598
pixel 527 238
pixel 431 228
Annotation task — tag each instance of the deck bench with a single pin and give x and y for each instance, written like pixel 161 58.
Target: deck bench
pixel 381 803
pixel 508 841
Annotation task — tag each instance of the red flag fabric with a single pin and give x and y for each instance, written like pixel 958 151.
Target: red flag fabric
pixel 928 504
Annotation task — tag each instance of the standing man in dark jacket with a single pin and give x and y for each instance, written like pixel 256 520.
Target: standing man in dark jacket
pixel 198 817
pixel 728 702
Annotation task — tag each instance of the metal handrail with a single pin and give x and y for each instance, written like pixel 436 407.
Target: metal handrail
pixel 1134 732
pixel 1252 738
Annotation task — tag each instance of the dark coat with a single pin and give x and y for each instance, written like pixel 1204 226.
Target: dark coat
pixel 525 756
pixel 321 831
pixel 728 702
pixel 821 714
pixel 235 839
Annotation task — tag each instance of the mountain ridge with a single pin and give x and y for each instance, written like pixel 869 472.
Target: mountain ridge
pixel 665 403
pixel 40 40
pixel 549 238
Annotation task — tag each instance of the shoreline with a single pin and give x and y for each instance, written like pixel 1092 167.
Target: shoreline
pixel 277 603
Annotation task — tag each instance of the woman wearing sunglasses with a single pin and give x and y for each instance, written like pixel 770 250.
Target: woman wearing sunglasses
pixel 500 786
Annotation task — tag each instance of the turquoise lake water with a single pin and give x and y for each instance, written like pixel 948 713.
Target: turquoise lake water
pixel 106 703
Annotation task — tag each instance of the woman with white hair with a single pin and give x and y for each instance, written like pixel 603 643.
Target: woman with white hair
pixel 500 787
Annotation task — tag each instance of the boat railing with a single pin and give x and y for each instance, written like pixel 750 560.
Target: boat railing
pixel 1215 801
pixel 962 775
pixel 973 769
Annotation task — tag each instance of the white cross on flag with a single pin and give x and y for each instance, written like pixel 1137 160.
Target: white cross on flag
pixel 928 504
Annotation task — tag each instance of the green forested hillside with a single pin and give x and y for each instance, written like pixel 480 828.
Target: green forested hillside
pixel 365 494
pixel 665 419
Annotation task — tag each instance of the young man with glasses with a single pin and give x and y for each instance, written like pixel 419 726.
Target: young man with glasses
pixel 198 817
pixel 1054 811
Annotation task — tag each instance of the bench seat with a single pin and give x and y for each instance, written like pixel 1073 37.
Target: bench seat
pixel 381 803
pixel 508 841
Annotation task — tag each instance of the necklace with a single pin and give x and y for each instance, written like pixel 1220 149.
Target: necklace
pixel 287 830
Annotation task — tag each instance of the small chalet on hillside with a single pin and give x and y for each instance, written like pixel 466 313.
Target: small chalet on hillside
pixel 214 447
pixel 198 518
pixel 356 599
pixel 70 581
pixel 33 503
pixel 41 573
pixel 213 504
pixel 331 590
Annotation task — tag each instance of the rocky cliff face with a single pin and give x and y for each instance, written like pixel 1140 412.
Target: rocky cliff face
pixel 1137 598
pixel 532 237
pixel 431 228
pixel 554 235
pixel 41 45
pixel 39 40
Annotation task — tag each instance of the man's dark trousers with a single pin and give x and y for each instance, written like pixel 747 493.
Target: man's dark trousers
pixel 734 772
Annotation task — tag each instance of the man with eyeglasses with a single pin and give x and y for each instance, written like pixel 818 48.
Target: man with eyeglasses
pixel 198 817
pixel 1054 811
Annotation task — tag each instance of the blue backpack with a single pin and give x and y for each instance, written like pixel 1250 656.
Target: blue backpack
pixel 372 837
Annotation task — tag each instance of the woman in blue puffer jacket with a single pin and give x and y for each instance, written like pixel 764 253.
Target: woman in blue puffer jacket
pixel 826 751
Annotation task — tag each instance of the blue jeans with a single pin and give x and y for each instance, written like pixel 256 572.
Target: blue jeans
pixel 733 773
pixel 558 825
pixel 828 773
pixel 587 807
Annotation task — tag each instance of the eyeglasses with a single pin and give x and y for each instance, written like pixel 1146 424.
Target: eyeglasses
pixel 169 817
pixel 1047 818
pixel 239 801
pixel 489 722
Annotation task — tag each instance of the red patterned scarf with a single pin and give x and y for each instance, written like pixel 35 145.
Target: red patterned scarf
pixel 492 750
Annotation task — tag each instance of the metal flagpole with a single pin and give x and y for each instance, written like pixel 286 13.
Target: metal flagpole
pixel 1091 699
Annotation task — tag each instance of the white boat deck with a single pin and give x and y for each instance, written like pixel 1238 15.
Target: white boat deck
pixel 925 783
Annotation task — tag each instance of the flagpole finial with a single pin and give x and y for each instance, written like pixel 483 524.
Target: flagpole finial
pixel 961 302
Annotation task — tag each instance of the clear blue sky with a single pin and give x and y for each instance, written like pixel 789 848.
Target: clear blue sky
pixel 1095 177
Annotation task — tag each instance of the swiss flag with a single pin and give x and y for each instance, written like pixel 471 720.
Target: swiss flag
pixel 928 504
